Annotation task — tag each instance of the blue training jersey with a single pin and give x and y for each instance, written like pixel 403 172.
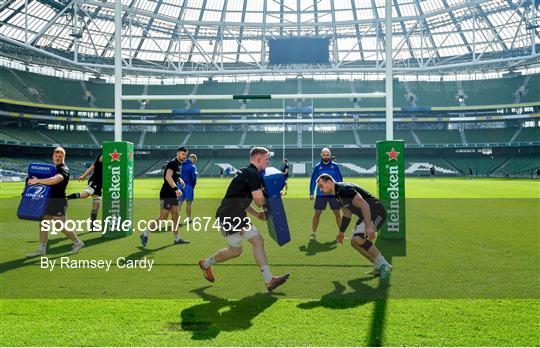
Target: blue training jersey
pixel 331 168
pixel 189 173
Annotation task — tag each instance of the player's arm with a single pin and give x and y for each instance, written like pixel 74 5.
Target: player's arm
pixel 194 175
pixel 258 197
pixel 345 221
pixel 312 183
pixel 339 177
pixel 361 203
pixel 170 181
pixel 261 215
pixel 87 172
pixel 58 178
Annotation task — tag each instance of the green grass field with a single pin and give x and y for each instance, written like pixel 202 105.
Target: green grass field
pixel 468 275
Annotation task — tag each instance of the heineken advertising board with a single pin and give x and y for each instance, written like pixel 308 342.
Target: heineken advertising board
pixel 117 189
pixel 391 187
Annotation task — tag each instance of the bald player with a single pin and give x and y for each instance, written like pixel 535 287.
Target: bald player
pixel 322 200
pixel 371 216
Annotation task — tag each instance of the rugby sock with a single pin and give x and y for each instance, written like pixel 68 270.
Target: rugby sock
pixel 146 233
pixel 267 275
pixel 78 241
pixel 177 238
pixel 42 246
pixel 93 216
pixel 209 262
pixel 74 195
pixel 379 261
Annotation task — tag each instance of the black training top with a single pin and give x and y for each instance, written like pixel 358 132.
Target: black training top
pixel 239 194
pixel 284 167
pixel 59 190
pixel 97 174
pixel 345 193
pixel 166 189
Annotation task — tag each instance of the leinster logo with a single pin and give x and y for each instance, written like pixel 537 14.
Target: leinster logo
pixel 35 192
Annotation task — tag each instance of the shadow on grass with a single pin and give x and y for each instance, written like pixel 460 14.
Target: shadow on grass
pixel 52 253
pixel 206 320
pixel 362 293
pixel 313 247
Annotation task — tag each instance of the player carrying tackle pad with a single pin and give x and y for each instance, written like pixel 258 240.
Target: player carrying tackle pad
pixel 57 205
pixel 236 226
pixel 371 216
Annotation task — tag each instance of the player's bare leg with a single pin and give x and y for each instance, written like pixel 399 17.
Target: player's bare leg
pixel 259 253
pixel 44 237
pixel 367 249
pixel 163 215
pixel 175 217
pixel 96 202
pixel 188 210
pixel 315 223
pixel 221 255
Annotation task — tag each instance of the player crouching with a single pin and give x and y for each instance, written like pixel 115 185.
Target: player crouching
pixel 371 216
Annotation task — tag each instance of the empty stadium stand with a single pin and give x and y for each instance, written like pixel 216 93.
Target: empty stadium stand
pixel 31 87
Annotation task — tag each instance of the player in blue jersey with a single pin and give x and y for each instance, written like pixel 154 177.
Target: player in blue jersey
pixel 325 166
pixel 189 175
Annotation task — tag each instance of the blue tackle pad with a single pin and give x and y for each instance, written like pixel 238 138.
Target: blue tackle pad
pixel 274 181
pixel 35 197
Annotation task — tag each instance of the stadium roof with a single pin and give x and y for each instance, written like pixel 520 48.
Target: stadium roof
pixel 211 37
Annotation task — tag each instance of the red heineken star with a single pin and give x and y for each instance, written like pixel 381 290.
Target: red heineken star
pixel 392 155
pixel 115 156
pixel 131 156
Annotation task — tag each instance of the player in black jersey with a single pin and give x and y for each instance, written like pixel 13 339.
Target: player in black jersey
pixel 371 216
pixel 95 185
pixel 56 208
pixel 236 226
pixel 169 194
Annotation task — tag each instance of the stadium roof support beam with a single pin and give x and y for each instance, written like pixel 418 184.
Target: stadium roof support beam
pixel 147 28
pixel 241 33
pixel 175 35
pixel 316 16
pixel 220 35
pixel 407 37
pixel 197 29
pixel 378 29
pixel 335 51
pixel 16 12
pixel 169 19
pixel 50 23
pixel 263 41
pixel 488 22
pixel 426 26
pixel 111 37
pixel 458 27
pixel 357 29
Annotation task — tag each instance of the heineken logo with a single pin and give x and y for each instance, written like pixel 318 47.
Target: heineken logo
pixel 393 155
pixel 115 156
pixel 393 190
pixel 114 190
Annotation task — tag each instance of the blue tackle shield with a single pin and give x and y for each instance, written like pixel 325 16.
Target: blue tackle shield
pixel 35 197
pixel 274 181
